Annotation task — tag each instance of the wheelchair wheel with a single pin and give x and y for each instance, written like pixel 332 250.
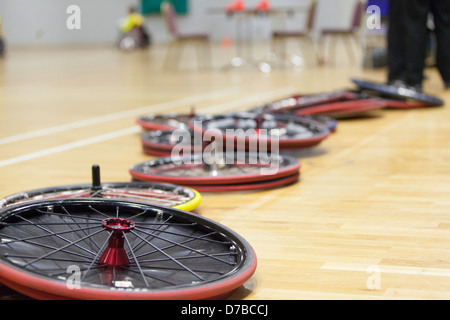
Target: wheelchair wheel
pixel 168 121
pixel 346 109
pixel 296 102
pixel 163 194
pixel 114 249
pixel 161 142
pixel 254 129
pixel 227 169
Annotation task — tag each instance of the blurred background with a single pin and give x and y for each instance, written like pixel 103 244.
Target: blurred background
pixel 28 22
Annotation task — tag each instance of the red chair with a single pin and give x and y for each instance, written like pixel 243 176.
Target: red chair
pixel 280 38
pixel 263 5
pixel 179 40
pixel 348 34
pixel 236 6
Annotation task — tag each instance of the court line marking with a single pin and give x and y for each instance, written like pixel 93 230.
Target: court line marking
pixel 127 131
pixel 71 145
pixel 434 272
pixel 119 115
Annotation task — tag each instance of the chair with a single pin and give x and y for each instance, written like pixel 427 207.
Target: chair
pixel 281 37
pixel 349 34
pixel 179 40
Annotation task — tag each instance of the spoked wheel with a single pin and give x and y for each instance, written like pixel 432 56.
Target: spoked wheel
pixel 329 122
pixel 161 142
pixel 228 169
pixel 252 128
pixel 111 249
pixel 295 102
pixel 398 104
pixel 346 109
pixel 251 186
pixel 163 194
pixel 398 93
pixel 169 121
pixel 128 43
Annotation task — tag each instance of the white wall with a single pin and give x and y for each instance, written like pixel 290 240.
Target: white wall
pixel 44 21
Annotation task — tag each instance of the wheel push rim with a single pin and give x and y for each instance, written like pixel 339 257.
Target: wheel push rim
pixel 296 102
pixel 169 121
pixel 347 108
pixel 227 169
pixel 285 130
pixel 163 194
pixel 398 93
pixel 250 186
pixel 162 142
pixel 121 250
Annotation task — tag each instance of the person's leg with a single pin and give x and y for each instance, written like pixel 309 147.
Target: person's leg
pixel 416 16
pixel 396 41
pixel 441 14
pixel 2 48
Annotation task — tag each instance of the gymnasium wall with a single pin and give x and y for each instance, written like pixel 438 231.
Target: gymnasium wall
pixel 42 22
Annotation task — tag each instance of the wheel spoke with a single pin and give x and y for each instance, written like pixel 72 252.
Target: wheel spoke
pixel 9 241
pixel 71 243
pixel 64 215
pixel 84 230
pixel 95 259
pixel 137 243
pixel 136 260
pixel 168 256
pixel 227 254
pixel 184 247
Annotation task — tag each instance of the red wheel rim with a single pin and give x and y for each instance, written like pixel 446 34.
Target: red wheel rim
pixel 296 102
pixel 168 121
pixel 398 104
pixel 167 169
pixel 155 152
pixel 264 185
pixel 292 132
pixel 347 107
pixel 160 142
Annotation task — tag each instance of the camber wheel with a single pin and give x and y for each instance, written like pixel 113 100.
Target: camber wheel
pixel 253 129
pixel 225 169
pixel 168 121
pixel 287 105
pixel 399 93
pixel 162 142
pixel 346 109
pixel 112 249
pixel 251 186
pixel 163 194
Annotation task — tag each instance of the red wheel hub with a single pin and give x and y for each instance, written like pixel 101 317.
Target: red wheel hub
pixel 115 254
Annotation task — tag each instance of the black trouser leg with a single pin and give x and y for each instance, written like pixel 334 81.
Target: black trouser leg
pixel 396 40
pixel 441 14
pixel 417 33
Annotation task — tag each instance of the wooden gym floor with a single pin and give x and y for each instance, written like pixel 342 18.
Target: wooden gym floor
pixel 370 218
